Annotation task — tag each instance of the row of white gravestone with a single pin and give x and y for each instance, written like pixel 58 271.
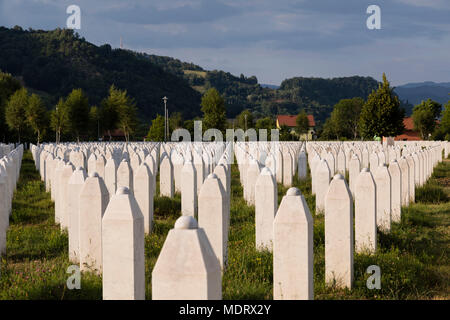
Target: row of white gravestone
pixel 83 212
pixel 414 158
pixel 169 285
pixel 194 255
pixel 95 229
pixel 173 158
pixel 370 195
pixel 281 158
pixel 10 164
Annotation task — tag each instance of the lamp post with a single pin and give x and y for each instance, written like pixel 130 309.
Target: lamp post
pixel 165 118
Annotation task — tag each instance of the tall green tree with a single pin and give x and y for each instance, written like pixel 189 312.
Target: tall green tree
pixel 8 85
pixel 267 123
pixel 78 112
pixel 94 123
pixel 175 121
pixel 382 115
pixel 345 117
pixel 213 108
pixel 424 117
pixel 127 112
pixel 15 111
pixel 109 110
pixel 119 111
pixel 328 131
pixel 245 120
pixel 285 133
pixel 36 115
pixel 156 131
pixel 59 119
pixel 445 121
pixel 302 123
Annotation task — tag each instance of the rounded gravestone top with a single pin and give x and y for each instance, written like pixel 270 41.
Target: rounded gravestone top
pixel 79 168
pixel 293 192
pixel 394 160
pixel 186 222
pixel 212 176
pixel 338 177
pixel 266 171
pixel 365 170
pixel 93 175
pixel 123 190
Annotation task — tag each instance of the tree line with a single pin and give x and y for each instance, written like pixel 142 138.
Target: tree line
pixel 24 114
pixel 382 116
pixel 351 119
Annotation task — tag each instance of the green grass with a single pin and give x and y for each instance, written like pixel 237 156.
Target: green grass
pixel 413 257
pixel 37 251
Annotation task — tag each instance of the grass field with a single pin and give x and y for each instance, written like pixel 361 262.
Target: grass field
pixel 413 258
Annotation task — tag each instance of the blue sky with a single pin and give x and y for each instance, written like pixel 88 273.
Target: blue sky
pixel 272 40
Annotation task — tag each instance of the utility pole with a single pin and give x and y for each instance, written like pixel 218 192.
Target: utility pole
pixel 166 120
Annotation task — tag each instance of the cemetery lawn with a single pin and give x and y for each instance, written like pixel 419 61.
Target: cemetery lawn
pixel 414 257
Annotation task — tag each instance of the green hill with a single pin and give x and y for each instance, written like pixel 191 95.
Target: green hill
pixel 57 61
pixel 54 62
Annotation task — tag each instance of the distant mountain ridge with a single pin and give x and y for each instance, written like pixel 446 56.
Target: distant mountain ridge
pixel 415 93
pixel 425 83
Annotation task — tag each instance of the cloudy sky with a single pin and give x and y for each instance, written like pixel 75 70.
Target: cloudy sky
pixel 273 40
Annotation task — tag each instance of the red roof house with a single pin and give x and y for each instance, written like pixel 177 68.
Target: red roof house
pixel 409 134
pixel 291 121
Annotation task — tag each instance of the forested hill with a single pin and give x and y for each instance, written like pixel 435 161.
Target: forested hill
pixel 328 91
pixel 239 92
pixel 316 95
pixel 55 62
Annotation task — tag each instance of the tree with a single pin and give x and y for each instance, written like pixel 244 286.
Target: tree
pixel 445 122
pixel 267 123
pixel 424 117
pixel 436 107
pixel 328 131
pixel 119 111
pixel 302 123
pixel 78 112
pixel 109 110
pixel 213 108
pixel 8 85
pixel 94 122
pixel 285 133
pixel 156 131
pixel 245 119
pixel 59 119
pixel 36 115
pixel 345 117
pixel 382 115
pixel 127 112
pixel 15 111
pixel 175 121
